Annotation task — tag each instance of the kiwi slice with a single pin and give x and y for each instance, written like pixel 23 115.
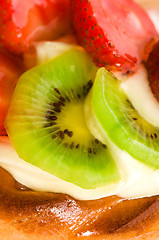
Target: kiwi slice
pixel 46 122
pixel 120 122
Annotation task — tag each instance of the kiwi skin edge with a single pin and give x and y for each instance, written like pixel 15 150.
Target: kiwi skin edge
pixel 41 127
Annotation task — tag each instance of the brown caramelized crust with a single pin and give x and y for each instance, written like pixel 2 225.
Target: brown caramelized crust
pixel 25 214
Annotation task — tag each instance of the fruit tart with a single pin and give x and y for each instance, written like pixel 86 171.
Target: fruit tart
pixel 79 148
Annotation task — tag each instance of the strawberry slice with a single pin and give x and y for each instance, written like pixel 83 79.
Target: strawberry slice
pixel 10 70
pixel 113 32
pixel 152 65
pixel 24 21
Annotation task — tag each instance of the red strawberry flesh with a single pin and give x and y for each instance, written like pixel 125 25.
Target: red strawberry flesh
pixel 113 32
pixel 25 21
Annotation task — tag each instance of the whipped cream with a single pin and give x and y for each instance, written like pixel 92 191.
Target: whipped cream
pixel 138 180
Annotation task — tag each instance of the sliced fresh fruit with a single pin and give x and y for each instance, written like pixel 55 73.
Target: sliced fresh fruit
pixel 113 32
pixel 152 65
pixel 10 70
pixel 46 122
pixel 23 22
pixel 115 118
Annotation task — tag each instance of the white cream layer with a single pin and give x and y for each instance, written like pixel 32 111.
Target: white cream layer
pixel 138 180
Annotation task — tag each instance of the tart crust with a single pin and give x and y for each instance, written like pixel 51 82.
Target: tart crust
pixel 29 215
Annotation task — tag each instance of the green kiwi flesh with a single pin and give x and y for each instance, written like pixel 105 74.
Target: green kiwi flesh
pixel 46 123
pixel 121 122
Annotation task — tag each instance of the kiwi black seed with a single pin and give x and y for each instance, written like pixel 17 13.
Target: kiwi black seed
pixel 46 122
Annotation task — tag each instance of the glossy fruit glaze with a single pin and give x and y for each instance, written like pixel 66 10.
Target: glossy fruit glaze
pixel 112 32
pixel 23 22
